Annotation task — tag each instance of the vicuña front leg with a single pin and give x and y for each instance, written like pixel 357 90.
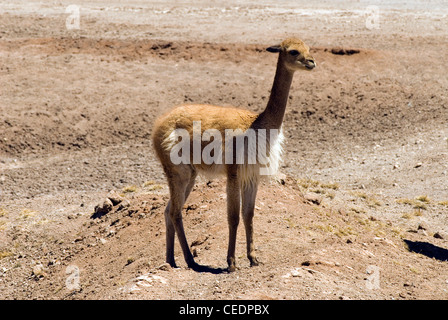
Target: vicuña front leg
pixel 233 216
pixel 249 193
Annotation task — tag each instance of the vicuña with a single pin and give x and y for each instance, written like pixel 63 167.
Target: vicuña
pixel 237 162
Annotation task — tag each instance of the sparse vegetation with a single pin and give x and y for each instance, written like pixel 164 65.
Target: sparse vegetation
pixel 359 194
pixel 310 184
pixel 423 199
pixel 290 223
pixel 130 189
pixel 152 186
pixel 148 183
pixel 398 232
pixel 336 230
pixel 307 183
pixel 418 213
pixel 331 194
pixel 419 203
pixel 333 186
pixel 370 200
pixel 3 212
pixel 379 233
pixel 374 203
pixel 5 254
pixel 414 270
pixel 347 231
pixel 411 215
pixel 357 210
pixel 404 201
pixel 326 189
pixel 3 223
pixel 27 213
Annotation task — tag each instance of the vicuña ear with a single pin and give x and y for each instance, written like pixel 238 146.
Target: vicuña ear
pixel 274 49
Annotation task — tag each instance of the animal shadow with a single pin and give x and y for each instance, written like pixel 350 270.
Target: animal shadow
pixel 427 249
pixel 207 269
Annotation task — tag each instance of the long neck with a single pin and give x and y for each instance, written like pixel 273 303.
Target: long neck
pixel 272 116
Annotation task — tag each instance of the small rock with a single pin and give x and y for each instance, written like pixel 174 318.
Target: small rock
pixel 200 240
pixel 313 198
pixel 327 263
pixel 438 235
pixel 295 273
pixel 114 197
pixel 191 207
pixel 103 208
pixel 281 178
pixel 124 204
pixel 130 260
pixel 422 226
pixel 79 239
pixel 39 270
pixel 418 165
pixel 164 267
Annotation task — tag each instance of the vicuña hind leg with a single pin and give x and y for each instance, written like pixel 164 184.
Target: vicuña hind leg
pixel 170 232
pixel 249 193
pixel 180 183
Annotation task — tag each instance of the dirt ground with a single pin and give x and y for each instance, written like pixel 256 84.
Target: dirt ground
pixel 359 211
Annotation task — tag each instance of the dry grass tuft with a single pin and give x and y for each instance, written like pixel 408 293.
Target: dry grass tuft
pixel 130 189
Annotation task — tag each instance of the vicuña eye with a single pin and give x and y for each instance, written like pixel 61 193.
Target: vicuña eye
pixel 294 52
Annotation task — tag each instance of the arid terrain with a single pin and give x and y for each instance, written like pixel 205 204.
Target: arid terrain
pixel 358 211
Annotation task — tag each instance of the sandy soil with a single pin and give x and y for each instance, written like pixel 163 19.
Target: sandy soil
pixel 360 210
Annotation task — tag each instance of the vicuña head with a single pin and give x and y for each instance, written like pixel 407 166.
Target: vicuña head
pixel 239 144
pixel 295 54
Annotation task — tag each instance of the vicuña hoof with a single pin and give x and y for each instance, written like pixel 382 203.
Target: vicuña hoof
pixel 254 262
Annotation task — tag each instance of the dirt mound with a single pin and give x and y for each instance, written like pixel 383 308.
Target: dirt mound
pixel 309 249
